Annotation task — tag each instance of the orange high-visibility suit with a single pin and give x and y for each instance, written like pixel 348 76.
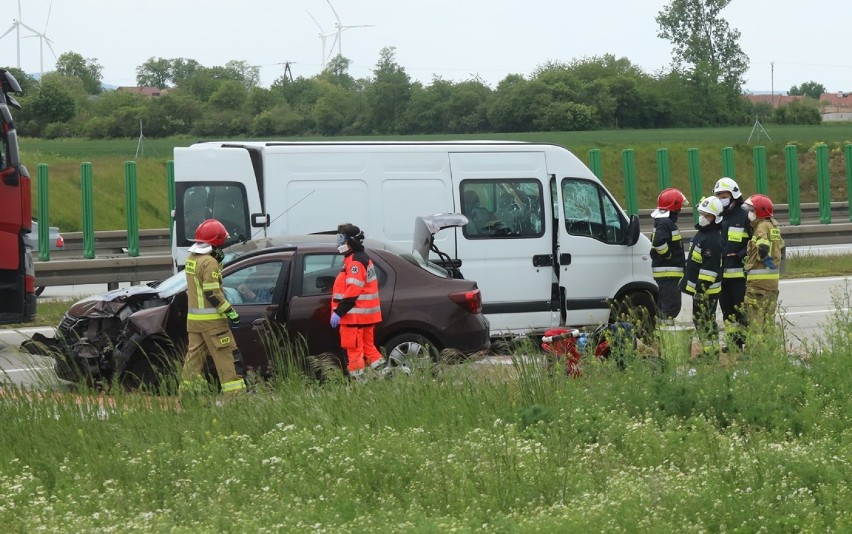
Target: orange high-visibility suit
pixel 356 301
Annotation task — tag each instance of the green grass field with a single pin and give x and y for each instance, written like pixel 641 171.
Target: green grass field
pixel 692 446
pixel 64 156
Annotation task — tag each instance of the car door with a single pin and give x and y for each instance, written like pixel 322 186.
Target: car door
pixel 256 288
pixel 309 308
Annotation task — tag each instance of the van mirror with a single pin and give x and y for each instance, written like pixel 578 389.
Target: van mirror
pixel 631 236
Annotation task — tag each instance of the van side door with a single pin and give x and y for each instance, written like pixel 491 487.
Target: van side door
pixel 507 246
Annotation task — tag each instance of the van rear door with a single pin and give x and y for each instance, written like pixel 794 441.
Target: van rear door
pixel 507 246
pixel 218 182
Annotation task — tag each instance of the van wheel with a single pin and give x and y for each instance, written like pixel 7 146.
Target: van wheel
pixel 412 350
pixel 637 308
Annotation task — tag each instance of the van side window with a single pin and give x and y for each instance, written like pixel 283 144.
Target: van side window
pixel 503 209
pixel 589 211
pixel 223 201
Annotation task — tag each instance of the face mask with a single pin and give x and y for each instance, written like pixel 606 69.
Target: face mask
pixel 703 221
pixel 725 202
pixel 752 216
pixel 343 249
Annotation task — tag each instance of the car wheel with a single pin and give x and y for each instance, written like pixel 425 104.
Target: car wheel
pixel 412 350
pixel 151 367
pixel 39 290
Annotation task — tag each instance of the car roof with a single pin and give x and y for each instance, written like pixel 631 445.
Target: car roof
pixel 295 242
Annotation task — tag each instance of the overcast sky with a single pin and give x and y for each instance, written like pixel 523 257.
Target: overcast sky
pixel 454 39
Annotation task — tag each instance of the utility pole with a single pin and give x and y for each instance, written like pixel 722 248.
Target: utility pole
pixel 772 65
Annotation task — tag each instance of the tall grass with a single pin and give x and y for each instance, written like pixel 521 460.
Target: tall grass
pixel 763 445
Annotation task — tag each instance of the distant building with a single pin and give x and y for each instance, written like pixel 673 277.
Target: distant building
pixel 152 92
pixel 835 106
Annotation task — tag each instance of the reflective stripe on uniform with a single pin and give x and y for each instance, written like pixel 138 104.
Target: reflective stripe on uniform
pixel 203 314
pixel 667 272
pixel 210 285
pixel 233 385
pixel 355 282
pixel 706 275
pixel 696 255
pixel 662 249
pixel 737 234
pixel 764 274
pixel 676 235
pixel 364 311
pixel 734 272
pixel 364 296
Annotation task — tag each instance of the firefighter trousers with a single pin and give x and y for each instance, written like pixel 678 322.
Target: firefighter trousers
pixel 219 345
pixel 731 301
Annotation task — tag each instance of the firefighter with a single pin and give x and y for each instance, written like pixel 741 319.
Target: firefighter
pixel 209 314
pixel 736 233
pixel 702 277
pixel 667 258
pixel 763 262
pixel 355 303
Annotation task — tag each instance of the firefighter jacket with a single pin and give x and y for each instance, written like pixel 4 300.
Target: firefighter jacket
pixel 206 301
pixel 356 291
pixel 667 249
pixel 703 271
pixel 736 233
pixel 766 242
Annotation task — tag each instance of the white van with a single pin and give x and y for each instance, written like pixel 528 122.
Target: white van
pixel 546 242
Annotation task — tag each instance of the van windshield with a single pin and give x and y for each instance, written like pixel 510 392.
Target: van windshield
pixel 225 201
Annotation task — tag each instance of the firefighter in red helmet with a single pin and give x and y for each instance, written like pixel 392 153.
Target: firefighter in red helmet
pixel 762 262
pixel 209 315
pixel 667 259
pixel 356 309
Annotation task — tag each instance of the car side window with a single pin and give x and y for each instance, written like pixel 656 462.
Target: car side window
pixel 255 284
pixel 320 270
pixel 502 208
pixel 590 212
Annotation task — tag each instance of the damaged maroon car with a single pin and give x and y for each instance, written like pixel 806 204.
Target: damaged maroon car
pixel 281 288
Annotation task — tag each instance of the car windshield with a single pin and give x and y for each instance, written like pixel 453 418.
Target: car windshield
pixel 415 258
pixel 177 282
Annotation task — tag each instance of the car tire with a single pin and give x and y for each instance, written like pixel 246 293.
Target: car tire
pixel 150 368
pixel 413 350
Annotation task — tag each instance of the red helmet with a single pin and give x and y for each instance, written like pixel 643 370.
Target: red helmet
pixel 761 205
pixel 211 232
pixel 671 199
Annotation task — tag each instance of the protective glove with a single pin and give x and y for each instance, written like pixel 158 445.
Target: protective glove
pixel 233 316
pixel 769 263
pixel 335 320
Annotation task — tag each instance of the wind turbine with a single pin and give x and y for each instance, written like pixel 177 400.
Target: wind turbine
pixel 42 39
pixel 323 36
pixel 16 25
pixel 340 28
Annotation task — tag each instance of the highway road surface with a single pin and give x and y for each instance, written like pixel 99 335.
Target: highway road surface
pixel 807 304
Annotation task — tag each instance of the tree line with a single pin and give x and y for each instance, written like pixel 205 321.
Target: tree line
pixel 702 87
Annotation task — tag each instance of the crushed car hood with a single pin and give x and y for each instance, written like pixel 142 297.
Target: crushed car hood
pixel 110 303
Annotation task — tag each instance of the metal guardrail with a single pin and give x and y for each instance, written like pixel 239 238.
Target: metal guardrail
pixel 112 265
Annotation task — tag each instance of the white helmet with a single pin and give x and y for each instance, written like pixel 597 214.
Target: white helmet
pixel 713 206
pixel 729 185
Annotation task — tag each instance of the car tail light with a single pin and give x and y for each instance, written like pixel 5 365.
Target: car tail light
pixel 470 301
pixel 29 284
pixel 60 242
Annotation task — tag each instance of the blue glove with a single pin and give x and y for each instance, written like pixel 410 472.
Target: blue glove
pixel 769 263
pixel 335 320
